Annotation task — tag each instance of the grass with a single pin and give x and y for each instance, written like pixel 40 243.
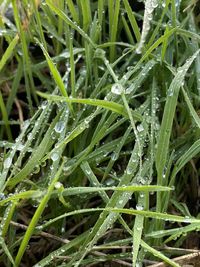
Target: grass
pixel 99 133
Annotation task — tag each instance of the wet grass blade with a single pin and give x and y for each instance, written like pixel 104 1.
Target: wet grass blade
pixel 167 120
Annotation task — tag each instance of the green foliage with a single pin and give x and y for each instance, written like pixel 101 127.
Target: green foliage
pixel 99 131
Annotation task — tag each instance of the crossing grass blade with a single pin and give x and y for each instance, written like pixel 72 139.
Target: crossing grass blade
pixel 115 107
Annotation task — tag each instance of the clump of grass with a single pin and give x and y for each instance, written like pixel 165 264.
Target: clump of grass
pixel 100 142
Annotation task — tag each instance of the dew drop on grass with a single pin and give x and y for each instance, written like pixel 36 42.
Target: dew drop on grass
pixel 36 169
pixel 59 127
pixel 114 156
pixel 58 185
pixel 117 89
pixel 44 104
pixel 129 170
pixel 7 163
pixel 109 182
pixel 88 171
pixel 141 195
pixel 150 5
pixel 187 219
pixel 2 196
pixel 120 201
pixel 140 128
pixel 29 136
pixel 54 156
pixel 139 207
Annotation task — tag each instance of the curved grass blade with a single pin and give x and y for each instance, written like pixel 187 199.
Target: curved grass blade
pixel 158 254
pixel 85 190
pixel 147 214
pixel 115 107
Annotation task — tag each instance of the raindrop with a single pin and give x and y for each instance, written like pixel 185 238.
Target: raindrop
pixel 139 207
pixel 58 185
pixel 59 127
pixel 88 171
pixel 109 182
pixel 129 170
pixel 29 136
pixel 117 89
pixel 44 104
pixel 114 156
pixel 2 196
pixel 187 219
pixel 150 5
pixel 140 128
pixel 170 92
pixel 54 156
pixel 120 201
pixel 7 163
pixel 36 169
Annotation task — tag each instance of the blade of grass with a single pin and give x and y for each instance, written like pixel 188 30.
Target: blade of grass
pixel 191 108
pixel 167 120
pixel 115 107
pixel 36 218
pixel 9 51
pixel 5 118
pixel 61 14
pixel 55 73
pixel 132 20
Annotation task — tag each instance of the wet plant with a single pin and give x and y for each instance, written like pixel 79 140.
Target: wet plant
pixel 99 133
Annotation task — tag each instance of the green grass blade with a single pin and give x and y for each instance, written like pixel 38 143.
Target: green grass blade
pixel 132 20
pixel 167 120
pixel 5 118
pixel 55 73
pixel 61 14
pixel 191 108
pixel 36 218
pixel 115 107
pixel 9 51
pixel 158 254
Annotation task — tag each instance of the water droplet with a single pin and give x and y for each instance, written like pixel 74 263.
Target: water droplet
pixel 58 185
pixel 44 104
pixel 114 156
pixel 29 136
pixel 117 89
pixel 187 219
pixel 88 171
pixel 2 196
pixel 36 169
pixel 140 128
pixel 129 170
pixel 170 92
pixel 54 156
pixel 59 127
pixel 7 163
pixel 139 207
pixel 109 182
